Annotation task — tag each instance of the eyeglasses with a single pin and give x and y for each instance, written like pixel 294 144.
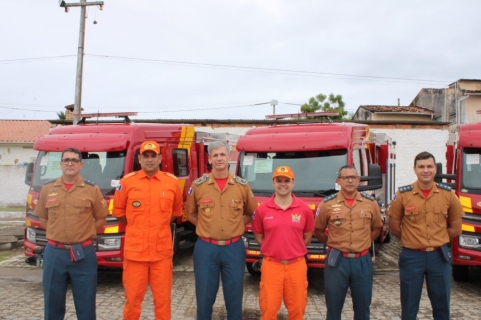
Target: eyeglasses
pixel 349 178
pixel 73 160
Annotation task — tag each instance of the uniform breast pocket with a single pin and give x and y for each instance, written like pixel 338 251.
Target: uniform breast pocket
pixel 412 216
pixel 166 201
pixel 441 214
pixel 207 208
pixel 366 217
pixel 52 208
pixel 337 220
pixel 83 207
pixel 236 207
pixel 136 202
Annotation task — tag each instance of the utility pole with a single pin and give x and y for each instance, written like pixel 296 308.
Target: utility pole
pixel 80 54
pixel 274 104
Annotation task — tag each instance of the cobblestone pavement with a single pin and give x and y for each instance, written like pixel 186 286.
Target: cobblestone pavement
pixel 21 293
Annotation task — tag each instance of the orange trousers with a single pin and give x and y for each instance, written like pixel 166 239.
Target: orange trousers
pixel 136 276
pixel 283 281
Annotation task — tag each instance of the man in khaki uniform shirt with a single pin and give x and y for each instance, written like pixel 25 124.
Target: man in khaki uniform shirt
pixel 354 221
pixel 220 205
pixel 425 216
pixel 72 210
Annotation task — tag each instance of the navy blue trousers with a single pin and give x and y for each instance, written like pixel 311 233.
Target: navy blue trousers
pixel 58 272
pixel 211 262
pixel 414 267
pixel 354 273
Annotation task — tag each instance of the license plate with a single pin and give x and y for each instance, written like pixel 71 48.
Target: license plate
pixel 316 256
pixel 254 252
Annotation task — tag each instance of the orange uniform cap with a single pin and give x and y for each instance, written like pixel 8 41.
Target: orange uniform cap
pixel 283 171
pixel 150 146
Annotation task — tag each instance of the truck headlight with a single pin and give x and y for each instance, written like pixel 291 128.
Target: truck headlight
pixel 31 235
pixel 469 242
pixel 108 243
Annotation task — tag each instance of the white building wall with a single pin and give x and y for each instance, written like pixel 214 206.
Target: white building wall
pixel 13 191
pixel 11 154
pixel 410 142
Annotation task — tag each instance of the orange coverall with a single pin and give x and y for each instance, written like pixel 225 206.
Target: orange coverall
pixel 148 204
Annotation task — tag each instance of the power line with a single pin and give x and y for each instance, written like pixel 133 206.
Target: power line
pixel 244 68
pixel 286 71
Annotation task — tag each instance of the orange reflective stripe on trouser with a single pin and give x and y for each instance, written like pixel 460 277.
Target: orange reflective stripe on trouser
pixel 136 276
pixel 278 281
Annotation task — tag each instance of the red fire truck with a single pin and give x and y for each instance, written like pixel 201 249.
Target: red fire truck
pixel 463 157
pixel 109 151
pixel 315 152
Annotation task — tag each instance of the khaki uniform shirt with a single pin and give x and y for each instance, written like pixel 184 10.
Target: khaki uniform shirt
pixel 148 204
pixel 425 220
pixel 71 214
pixel 220 213
pixel 349 227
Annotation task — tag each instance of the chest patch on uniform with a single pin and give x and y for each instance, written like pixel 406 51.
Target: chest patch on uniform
pixel 206 200
pixel 405 188
pixel 52 200
pixel 136 204
pixel 411 208
pixel 296 218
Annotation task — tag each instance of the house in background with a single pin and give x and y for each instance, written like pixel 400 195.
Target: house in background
pixel 17 138
pixel 393 113
pixel 457 103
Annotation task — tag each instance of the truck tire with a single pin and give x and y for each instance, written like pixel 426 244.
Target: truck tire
pixel 251 270
pixel 460 273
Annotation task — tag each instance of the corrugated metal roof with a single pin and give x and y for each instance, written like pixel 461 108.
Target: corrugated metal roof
pixel 18 131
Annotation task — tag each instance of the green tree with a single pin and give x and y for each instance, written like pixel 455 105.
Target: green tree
pixel 61 115
pixel 322 102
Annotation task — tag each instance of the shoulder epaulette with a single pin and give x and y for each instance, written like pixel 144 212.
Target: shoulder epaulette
pixel 129 175
pixel 50 181
pixel 444 186
pixel 171 175
pixel 405 188
pixel 201 180
pixel 367 196
pixel 330 197
pixel 87 181
pixel 240 180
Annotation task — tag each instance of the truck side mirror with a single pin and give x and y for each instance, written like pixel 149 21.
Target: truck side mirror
pixel 29 174
pixel 374 178
pixel 438 178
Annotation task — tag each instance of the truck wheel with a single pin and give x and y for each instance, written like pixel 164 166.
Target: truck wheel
pixel 251 270
pixel 387 239
pixel 460 273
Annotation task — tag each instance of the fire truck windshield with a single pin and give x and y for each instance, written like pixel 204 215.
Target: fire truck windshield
pixel 471 171
pixel 103 168
pixel 315 171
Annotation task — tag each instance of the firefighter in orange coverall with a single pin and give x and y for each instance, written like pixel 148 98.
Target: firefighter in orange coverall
pixel 147 201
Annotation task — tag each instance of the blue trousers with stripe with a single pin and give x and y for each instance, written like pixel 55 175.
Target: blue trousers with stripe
pixel 414 267
pixel 212 262
pixel 356 274
pixel 58 272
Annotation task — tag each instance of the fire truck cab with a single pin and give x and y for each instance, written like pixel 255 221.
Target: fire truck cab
pixel 110 151
pixel 315 152
pixel 463 155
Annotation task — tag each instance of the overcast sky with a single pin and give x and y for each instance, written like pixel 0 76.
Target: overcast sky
pixel 221 59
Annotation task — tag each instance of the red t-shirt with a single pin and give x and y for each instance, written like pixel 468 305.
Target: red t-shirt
pixel 283 229
pixel 221 182
pixel 426 193
pixel 68 186
pixel 349 201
